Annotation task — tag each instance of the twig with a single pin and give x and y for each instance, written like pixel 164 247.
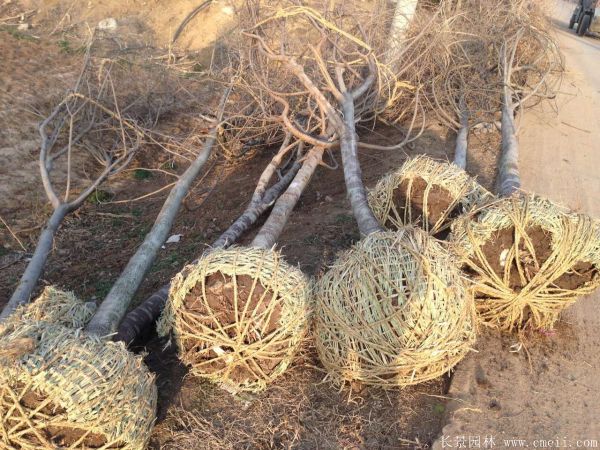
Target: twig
pixel 13 234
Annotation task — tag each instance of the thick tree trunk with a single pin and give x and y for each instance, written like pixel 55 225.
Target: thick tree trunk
pixel 403 14
pixel 113 308
pixel 270 231
pixel 509 180
pixel 367 223
pixel 462 137
pixel 140 318
pixel 35 267
pixel 143 316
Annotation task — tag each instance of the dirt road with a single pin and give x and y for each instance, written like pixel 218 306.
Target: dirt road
pixel 551 399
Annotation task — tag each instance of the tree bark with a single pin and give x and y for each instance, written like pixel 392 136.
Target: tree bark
pixel 35 267
pixel 403 14
pixel 509 180
pixel 367 223
pixel 270 231
pixel 254 211
pixel 462 144
pixel 114 306
pixel 144 315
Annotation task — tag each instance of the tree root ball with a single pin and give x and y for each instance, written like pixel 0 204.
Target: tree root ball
pixel 62 389
pixel 393 311
pixel 528 259
pixel 55 306
pixel 427 193
pixel 238 316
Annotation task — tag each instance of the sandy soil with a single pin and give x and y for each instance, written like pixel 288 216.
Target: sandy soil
pixel 550 389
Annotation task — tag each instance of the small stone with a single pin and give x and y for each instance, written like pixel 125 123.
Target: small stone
pixel 108 24
pixel 494 405
pixel 328 198
pixel 480 376
pixel 24 26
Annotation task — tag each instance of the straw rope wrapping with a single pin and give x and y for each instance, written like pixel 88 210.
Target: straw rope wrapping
pixel 575 238
pixel 426 185
pixel 244 344
pixel 68 390
pixel 55 306
pixel 393 311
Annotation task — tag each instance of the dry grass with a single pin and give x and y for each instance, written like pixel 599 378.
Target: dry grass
pixel 300 410
pixel 72 391
pixel 461 191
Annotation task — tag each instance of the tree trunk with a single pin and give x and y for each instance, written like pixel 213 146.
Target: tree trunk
pixel 140 318
pixel 462 144
pixel 113 308
pixel 148 311
pixel 367 223
pixel 509 180
pixel 403 14
pixel 270 231
pixel 254 211
pixel 35 267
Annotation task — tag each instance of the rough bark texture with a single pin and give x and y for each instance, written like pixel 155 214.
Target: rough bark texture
pixel 114 306
pixel 270 231
pixel 35 267
pixel 509 180
pixel 367 223
pixel 140 318
pixel 461 146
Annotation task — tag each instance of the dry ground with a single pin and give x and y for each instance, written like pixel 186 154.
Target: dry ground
pixel 301 410
pixel 548 389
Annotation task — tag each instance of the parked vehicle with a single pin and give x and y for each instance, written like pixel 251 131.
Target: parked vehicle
pixel 585 17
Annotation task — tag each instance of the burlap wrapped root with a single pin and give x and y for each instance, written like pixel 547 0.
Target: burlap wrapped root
pixel 60 388
pixel 393 311
pixel 238 316
pixel 528 260
pixel 426 193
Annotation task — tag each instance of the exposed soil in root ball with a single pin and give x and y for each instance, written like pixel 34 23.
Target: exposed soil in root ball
pixel 250 314
pixel 496 252
pixel 63 436
pixel 438 202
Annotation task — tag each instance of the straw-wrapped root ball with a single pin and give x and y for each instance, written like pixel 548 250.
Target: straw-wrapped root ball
pixel 427 193
pixel 55 306
pixel 62 389
pixel 238 316
pixel 393 311
pixel 528 260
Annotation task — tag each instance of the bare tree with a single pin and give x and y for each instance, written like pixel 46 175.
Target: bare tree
pixel 92 107
pixel 530 65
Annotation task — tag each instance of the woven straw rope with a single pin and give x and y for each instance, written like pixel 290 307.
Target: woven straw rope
pixel 81 383
pixel 216 349
pixel 393 311
pixel 55 306
pixel 462 188
pixel 575 238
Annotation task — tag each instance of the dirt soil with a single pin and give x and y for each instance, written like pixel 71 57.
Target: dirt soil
pixel 545 390
pixel 439 201
pixel 217 310
pixel 302 409
pixel 503 240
